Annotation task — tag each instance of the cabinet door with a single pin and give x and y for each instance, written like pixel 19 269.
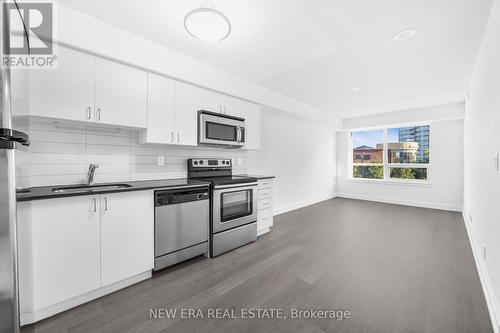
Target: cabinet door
pixel 120 94
pixel 252 126
pixel 188 101
pixel 161 110
pixel 66 92
pixel 59 250
pixel 251 113
pixel 127 235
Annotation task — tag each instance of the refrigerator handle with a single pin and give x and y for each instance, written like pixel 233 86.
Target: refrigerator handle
pixel 9 136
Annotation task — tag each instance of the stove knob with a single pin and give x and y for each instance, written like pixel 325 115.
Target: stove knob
pixel 195 162
pixel 200 196
pixel 201 162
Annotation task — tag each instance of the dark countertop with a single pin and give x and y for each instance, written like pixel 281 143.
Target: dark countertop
pixel 258 176
pixel 45 192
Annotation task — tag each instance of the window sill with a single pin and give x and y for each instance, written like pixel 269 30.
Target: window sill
pixel 424 183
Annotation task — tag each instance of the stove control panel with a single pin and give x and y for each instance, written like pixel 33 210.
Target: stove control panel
pixel 210 163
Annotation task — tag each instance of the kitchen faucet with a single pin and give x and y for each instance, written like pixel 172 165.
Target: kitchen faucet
pixel 90 174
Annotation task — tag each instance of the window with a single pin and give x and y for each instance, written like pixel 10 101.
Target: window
pixel 401 153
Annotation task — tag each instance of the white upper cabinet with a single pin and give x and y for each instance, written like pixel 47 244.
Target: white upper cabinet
pixel 251 113
pixel 66 92
pixel 127 235
pixel 188 101
pixel 253 124
pixel 161 111
pixel 87 88
pixel 120 94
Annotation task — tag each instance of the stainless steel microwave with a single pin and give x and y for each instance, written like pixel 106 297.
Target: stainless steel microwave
pixel 215 129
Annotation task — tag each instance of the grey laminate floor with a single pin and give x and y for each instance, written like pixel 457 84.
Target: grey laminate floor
pixel 395 268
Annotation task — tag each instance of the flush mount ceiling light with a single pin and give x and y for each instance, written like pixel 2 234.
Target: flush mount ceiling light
pixel 355 89
pixel 405 34
pixel 207 24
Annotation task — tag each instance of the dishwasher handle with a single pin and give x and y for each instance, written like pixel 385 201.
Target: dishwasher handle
pixel 177 196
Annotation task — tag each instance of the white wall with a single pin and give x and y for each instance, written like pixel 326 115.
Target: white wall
pixel 482 143
pixel 302 157
pixel 446 174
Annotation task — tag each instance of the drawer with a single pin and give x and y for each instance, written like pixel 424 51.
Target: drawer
pixel 266 183
pixel 264 193
pixel 264 218
pixel 264 203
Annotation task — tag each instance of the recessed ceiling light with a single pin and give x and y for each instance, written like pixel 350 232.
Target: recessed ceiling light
pixel 355 89
pixel 207 24
pixel 405 34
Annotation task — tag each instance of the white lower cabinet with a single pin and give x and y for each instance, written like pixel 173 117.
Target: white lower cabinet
pixel 264 205
pixel 72 249
pixel 59 250
pixel 127 235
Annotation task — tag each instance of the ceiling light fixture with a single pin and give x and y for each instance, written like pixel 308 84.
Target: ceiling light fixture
pixel 355 89
pixel 207 24
pixel 405 34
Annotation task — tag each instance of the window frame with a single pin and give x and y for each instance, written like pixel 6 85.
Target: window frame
pixel 386 165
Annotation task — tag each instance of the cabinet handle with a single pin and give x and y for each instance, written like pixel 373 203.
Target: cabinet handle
pixel 95 204
pixel 178 137
pixel 172 138
pixel 105 204
pixel 98 114
pixel 89 113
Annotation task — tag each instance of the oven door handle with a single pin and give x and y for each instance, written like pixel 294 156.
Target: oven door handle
pixel 242 186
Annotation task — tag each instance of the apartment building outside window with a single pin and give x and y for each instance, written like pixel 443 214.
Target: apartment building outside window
pixel 400 153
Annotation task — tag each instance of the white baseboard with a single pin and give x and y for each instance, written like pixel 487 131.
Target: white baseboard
pixel 484 277
pixel 423 204
pixel 300 204
pixel 32 317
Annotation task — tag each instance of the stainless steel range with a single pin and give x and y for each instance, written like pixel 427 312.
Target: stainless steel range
pixel 233 209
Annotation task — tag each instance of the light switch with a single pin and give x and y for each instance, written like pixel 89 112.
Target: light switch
pixel 161 160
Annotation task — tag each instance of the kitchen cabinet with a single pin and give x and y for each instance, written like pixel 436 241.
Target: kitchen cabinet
pixel 264 205
pixel 172 112
pixel 89 89
pixel 66 92
pixel 120 94
pixel 127 235
pixel 161 111
pixel 59 256
pixel 72 248
pixel 250 112
pixel 188 101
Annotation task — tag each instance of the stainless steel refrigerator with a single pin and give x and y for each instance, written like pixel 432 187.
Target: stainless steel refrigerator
pixel 10 139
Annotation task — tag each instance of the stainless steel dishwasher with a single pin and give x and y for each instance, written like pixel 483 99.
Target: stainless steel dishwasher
pixel 181 225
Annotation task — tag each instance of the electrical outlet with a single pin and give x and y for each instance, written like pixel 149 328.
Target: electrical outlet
pixel 497 162
pixel 161 160
pixel 470 217
pixel 240 160
pixel 232 161
pixel 301 195
pixel 484 252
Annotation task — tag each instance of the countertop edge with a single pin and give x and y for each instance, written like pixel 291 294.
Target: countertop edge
pixel 33 197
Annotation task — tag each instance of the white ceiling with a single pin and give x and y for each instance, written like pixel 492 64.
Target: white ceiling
pixel 316 51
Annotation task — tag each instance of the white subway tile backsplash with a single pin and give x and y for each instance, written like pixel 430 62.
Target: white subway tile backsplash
pixel 61 152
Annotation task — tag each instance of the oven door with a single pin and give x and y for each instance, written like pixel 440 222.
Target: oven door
pixel 214 129
pixel 233 206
